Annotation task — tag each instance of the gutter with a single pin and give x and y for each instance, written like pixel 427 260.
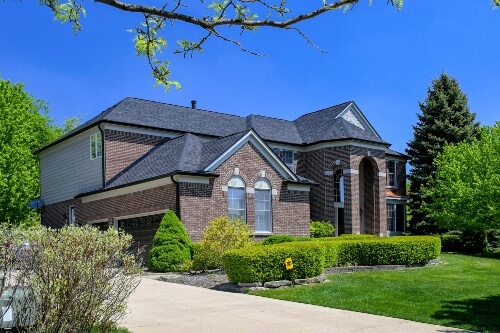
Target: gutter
pixel 187 173
pixel 103 162
pixel 177 197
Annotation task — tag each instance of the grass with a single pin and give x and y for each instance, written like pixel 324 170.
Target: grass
pixel 462 292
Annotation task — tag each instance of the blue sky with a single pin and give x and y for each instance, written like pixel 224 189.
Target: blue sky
pixel 381 59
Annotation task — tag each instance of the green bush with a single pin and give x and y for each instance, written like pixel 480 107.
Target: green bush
pixel 267 263
pixel 474 242
pixel 278 239
pixel 194 248
pixel 171 247
pixel 221 235
pixel 451 243
pixel 321 229
pixel 74 279
pixel 396 250
pixel 356 236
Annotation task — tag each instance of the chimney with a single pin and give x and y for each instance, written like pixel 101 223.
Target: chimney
pixel 193 104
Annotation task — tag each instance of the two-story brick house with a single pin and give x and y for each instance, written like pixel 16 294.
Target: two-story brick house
pixel 128 165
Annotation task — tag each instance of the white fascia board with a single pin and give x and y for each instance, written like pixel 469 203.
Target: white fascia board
pixel 284 147
pixel 343 143
pixel 395 158
pixel 263 149
pixel 192 179
pixel 396 200
pixel 298 187
pixel 354 108
pixel 138 130
pixel 70 141
pixel 126 190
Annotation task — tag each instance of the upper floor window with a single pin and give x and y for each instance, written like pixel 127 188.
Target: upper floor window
pixel 395 218
pixel 286 156
pixel 95 146
pixel 263 209
pixel 236 202
pixel 391 173
pixel 338 186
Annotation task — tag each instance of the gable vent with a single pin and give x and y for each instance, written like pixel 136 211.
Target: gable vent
pixel 351 117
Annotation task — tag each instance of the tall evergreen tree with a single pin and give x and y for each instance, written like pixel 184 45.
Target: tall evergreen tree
pixel 445 117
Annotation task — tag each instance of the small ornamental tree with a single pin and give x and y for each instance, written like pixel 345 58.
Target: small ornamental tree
pixel 321 229
pixel 170 249
pixel 466 190
pixel 221 235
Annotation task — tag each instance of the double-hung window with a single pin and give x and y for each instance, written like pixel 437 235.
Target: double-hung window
pixel 391 173
pixel 95 146
pixel 236 199
pixel 286 156
pixel 263 209
pixel 395 218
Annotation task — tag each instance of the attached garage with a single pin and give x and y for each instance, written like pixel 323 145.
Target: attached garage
pixel 143 230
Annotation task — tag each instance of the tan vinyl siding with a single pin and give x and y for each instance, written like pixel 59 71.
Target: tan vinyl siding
pixel 66 169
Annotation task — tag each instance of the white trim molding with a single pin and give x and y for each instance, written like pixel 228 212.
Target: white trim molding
pixel 353 171
pixel 126 190
pixel 192 179
pixel 298 187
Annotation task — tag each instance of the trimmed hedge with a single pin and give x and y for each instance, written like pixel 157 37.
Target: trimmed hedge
pixel 321 229
pixel 266 263
pixel 278 239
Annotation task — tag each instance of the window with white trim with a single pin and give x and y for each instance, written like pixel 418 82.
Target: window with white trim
pixel 396 218
pixel 72 215
pixel 236 199
pixel 95 146
pixel 286 156
pixel 338 186
pixel 263 209
pixel 391 173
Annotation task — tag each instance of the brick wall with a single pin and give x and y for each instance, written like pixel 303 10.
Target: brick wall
pixel 202 203
pixel 123 148
pixel 314 164
pixel 150 200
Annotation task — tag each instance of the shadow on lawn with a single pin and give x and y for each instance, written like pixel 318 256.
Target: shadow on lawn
pixel 482 314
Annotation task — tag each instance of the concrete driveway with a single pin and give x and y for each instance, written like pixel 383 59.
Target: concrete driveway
pixel 158 306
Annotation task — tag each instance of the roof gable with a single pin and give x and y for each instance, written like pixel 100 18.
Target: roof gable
pixel 353 115
pixel 253 138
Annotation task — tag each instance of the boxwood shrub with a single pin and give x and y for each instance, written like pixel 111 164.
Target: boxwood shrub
pixel 278 239
pixel 396 250
pixel 267 263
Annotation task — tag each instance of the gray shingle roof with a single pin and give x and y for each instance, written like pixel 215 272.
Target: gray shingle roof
pixel 395 153
pixel 324 125
pixel 187 153
pixel 308 129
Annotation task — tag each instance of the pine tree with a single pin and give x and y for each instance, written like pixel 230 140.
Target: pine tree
pixel 445 117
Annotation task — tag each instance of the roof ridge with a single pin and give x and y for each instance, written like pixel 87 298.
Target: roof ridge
pixel 324 109
pixel 185 107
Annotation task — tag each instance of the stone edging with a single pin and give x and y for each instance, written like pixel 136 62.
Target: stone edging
pixel 257 286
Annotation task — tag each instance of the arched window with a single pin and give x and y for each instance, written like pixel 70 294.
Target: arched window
pixel 263 210
pixel 338 186
pixel 236 202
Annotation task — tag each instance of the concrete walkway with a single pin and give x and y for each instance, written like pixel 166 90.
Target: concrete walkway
pixel 158 306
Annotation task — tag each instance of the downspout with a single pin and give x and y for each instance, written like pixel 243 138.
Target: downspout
pixel 177 197
pixel 103 162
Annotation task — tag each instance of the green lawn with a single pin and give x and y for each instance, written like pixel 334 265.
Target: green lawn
pixel 462 292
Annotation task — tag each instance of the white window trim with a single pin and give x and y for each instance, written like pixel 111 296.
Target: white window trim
pixel 280 153
pixel 268 183
pixel 243 187
pixel 395 177
pixel 71 215
pixel 98 138
pixel 397 233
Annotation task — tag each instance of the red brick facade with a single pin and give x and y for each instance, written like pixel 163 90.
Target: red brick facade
pixel 202 203
pixel 123 148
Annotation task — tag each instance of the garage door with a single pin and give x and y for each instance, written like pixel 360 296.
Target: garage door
pixel 143 230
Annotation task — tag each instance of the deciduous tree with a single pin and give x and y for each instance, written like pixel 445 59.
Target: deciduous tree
pixel 445 118
pixel 24 128
pixel 465 193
